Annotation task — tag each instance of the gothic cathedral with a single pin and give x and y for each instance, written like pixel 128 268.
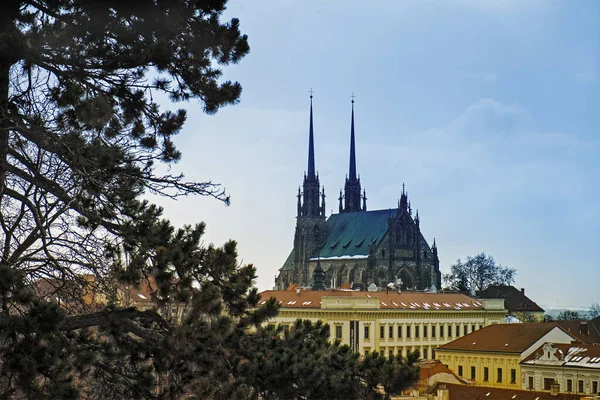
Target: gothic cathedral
pixel 356 247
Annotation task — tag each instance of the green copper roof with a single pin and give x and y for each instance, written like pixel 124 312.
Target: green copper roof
pixel 351 234
pixel 288 265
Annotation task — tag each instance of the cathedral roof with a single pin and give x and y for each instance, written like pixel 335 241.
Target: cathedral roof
pixel 288 265
pixel 349 235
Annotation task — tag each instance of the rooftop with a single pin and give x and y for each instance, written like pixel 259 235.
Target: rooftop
pixel 391 300
pixel 463 392
pixel 571 355
pixel 585 331
pixel 514 299
pixel 501 338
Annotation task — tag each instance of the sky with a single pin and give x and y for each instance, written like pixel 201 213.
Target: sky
pixel 488 111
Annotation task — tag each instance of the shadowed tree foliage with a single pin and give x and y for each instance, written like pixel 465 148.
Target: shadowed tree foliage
pixel 81 140
pixel 477 273
pixel 303 364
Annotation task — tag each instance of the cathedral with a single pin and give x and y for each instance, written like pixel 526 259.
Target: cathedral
pixel 356 247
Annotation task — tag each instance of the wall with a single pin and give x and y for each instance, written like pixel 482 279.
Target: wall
pixel 368 315
pixel 482 360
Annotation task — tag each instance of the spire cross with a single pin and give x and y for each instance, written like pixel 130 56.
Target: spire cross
pixel 311 93
pixel 352 96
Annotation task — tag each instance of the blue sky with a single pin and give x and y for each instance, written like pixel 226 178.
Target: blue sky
pixel 489 111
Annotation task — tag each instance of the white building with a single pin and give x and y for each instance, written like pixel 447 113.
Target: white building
pixel 575 367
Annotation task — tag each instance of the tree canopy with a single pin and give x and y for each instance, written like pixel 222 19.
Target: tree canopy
pixel 477 273
pixel 81 142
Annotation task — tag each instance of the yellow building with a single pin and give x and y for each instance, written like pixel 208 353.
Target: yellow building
pixel 392 322
pixel 492 356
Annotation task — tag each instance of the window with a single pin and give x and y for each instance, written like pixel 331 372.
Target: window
pixel 391 333
pixel 460 372
pixel 286 328
pixel 391 353
pixel 457 331
pixel 338 331
pixel 367 329
pixel 448 330
pixel 425 331
pixel 381 332
pixel 408 331
pixel 399 331
pixel 417 331
pixel 366 352
pixel 486 374
pixel 499 374
pixel 580 386
pixel 473 328
pixel 433 331
pixel 513 376
pixel 472 372
pixel 530 386
pixel 271 326
pixel 569 385
pixel 425 353
pixel 594 387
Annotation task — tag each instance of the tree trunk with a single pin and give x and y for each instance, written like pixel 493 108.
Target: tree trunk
pixel 8 56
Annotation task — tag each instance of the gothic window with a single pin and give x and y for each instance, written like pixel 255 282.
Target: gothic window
pixel 407 279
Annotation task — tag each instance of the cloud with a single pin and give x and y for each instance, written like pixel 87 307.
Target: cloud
pixel 488 77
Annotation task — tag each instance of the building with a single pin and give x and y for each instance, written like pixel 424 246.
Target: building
pixel 85 293
pixel 492 356
pixel 586 331
pixel 574 367
pixel 388 322
pixel 515 301
pixel 356 245
pixel 452 391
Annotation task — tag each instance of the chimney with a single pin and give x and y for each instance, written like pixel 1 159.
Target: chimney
pixel 554 389
pixel 583 328
pixel 523 291
pixel 443 393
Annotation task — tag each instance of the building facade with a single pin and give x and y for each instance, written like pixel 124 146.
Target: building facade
pixel 356 246
pixel 492 356
pixel 574 367
pixel 389 323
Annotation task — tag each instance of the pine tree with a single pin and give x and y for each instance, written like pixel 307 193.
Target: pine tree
pixel 80 142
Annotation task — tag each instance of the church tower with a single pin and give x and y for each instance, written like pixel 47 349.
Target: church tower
pixel 351 201
pixel 310 218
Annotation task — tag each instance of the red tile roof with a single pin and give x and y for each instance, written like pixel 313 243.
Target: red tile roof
pixel 391 300
pixel 466 392
pixel 502 338
pixel 514 299
pixel 586 331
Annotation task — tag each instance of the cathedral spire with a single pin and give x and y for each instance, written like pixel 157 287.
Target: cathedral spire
pixel 352 190
pixel 352 146
pixel 311 206
pixel 311 143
